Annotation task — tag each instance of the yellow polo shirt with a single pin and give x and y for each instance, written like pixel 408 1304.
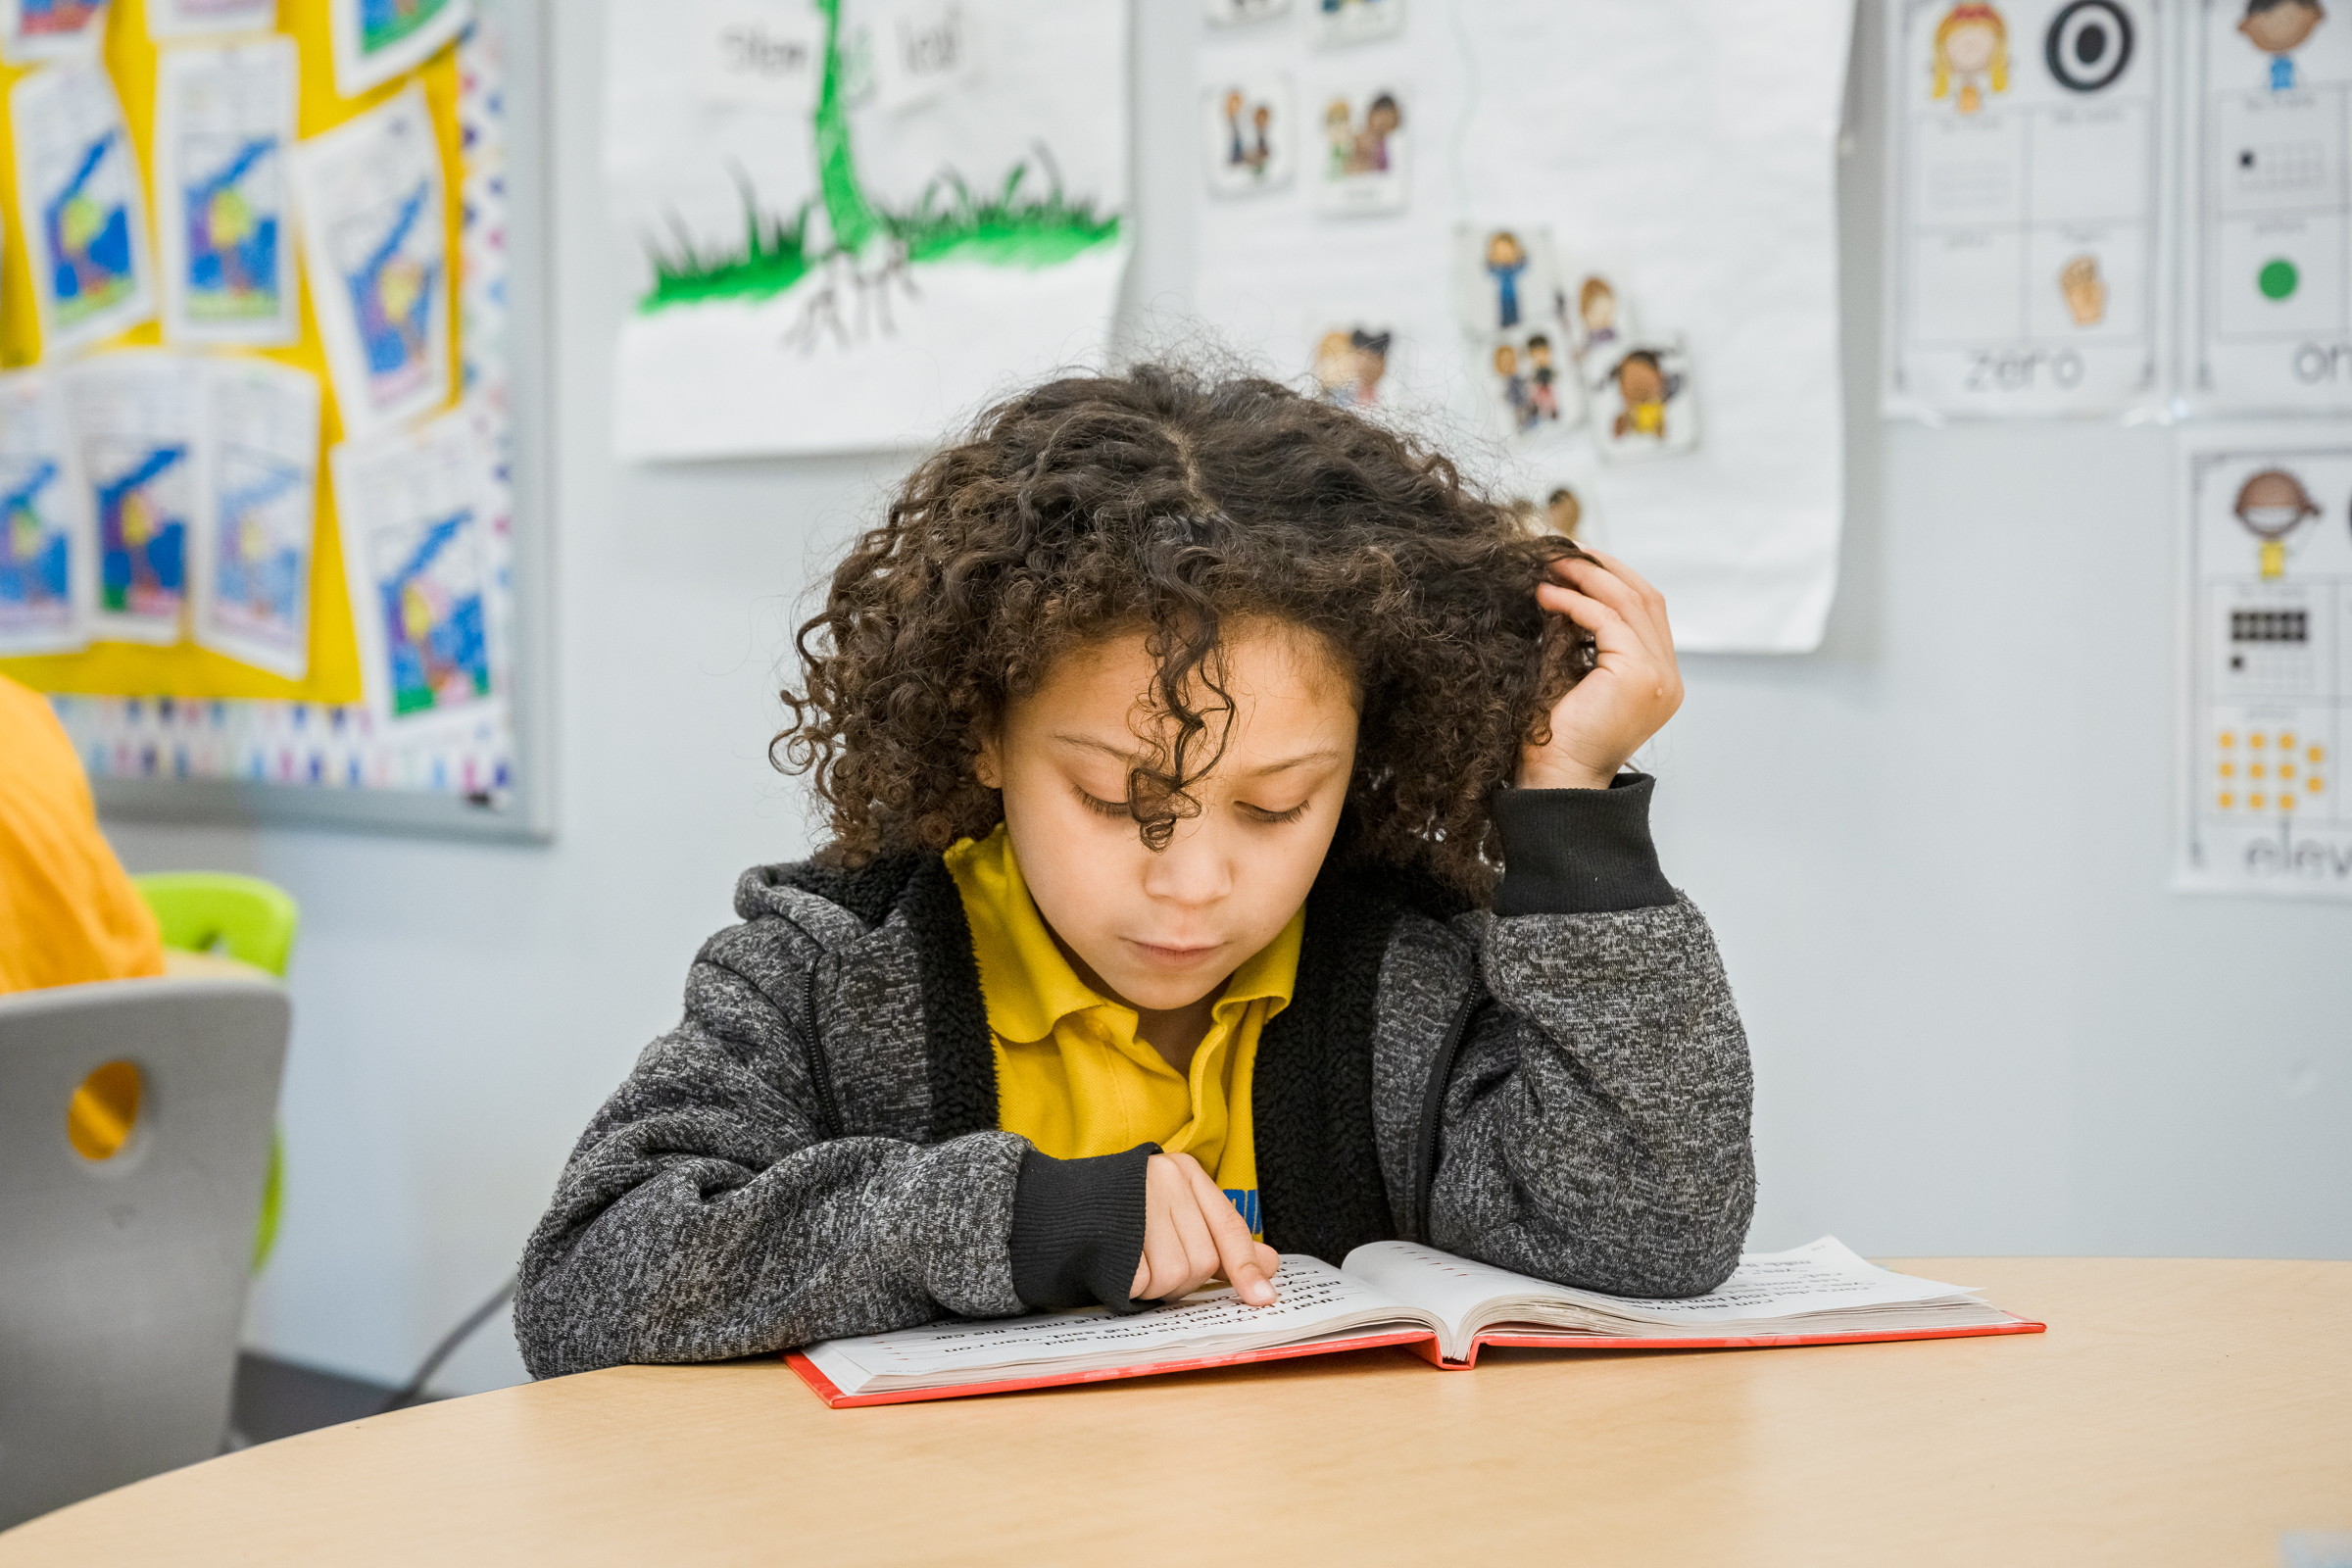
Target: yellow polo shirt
pixel 1073 1077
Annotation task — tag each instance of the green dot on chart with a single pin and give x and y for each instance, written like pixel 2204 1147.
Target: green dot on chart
pixel 2278 279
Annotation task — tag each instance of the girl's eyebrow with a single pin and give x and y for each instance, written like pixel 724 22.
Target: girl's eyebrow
pixel 1132 758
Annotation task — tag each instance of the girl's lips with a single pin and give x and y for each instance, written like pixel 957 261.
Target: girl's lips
pixel 1175 958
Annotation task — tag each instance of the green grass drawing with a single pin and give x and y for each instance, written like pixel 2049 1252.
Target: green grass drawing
pixel 1010 229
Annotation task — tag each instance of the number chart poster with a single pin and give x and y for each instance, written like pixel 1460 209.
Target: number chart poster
pixel 2269 288
pixel 854 220
pixel 2026 174
pixel 2267 660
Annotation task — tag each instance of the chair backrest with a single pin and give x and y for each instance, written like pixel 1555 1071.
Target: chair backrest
pixel 253 920
pixel 122 1279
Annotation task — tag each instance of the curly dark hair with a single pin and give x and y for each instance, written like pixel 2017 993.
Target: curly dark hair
pixel 1165 503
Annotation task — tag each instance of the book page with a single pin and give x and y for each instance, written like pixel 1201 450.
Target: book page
pixel 1823 1276
pixel 1316 1302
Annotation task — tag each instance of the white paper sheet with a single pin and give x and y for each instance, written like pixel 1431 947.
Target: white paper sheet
pixel 79 197
pixel 1821 1276
pixel 2266 287
pixel 48 572
pixel 223 126
pixel 377 252
pixel 863 288
pixel 2265 660
pixel 377 41
pixel 51 30
pixel 419 563
pixel 257 497
pixel 2028 192
pixel 133 415
pixel 1682 153
pixel 169 19
pixel 1312 1296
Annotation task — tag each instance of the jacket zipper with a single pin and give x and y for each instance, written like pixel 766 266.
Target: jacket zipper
pixel 1433 1104
pixel 828 1113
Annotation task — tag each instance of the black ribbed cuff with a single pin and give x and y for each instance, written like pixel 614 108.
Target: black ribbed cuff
pixel 1078 1229
pixel 1579 852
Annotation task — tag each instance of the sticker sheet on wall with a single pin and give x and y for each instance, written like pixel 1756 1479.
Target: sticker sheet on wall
pixel 1551 211
pixel 2027 180
pixel 2268 291
pixel 1351 359
pixel 2265 660
pixel 829 267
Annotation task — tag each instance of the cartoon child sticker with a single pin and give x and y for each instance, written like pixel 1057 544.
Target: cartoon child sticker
pixel 1643 387
pixel 2271 505
pixel 1543 396
pixel 1596 312
pixel 2085 289
pixel 1563 511
pixel 1349 362
pixel 1506 263
pixel 2277 27
pixel 1248 128
pixel 1514 386
pixel 1972 49
pixel 1382 120
pixel 1338 132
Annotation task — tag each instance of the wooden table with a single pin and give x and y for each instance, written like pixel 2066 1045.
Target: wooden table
pixel 2177 1412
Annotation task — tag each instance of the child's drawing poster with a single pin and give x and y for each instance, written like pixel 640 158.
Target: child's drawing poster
pixel 2265 660
pixel 2028 182
pixel 79 196
pixel 46 572
pixel 252 581
pixel 135 430
pixel 2266 287
pixel 377 41
pixel 169 21
pixel 818 271
pixel 421 563
pixel 377 249
pixel 224 122
pixel 1607 233
pixel 51 30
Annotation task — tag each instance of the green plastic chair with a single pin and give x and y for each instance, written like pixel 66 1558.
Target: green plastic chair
pixel 252 922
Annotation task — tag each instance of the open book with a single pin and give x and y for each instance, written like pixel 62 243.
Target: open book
pixel 1397 1293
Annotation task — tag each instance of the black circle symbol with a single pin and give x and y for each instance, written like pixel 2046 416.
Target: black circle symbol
pixel 2088 44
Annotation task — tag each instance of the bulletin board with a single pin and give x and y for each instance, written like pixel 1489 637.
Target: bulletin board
pixel 180 718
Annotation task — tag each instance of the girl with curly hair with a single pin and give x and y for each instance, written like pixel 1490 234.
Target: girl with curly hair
pixel 1230 855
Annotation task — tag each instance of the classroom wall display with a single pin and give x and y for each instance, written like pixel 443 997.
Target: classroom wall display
pixel 2268 290
pixel 2029 184
pixel 820 272
pixel 175 569
pixel 48 578
pixel 172 19
pixel 33 30
pixel 1567 236
pixel 1337 22
pixel 224 126
pixel 2265 660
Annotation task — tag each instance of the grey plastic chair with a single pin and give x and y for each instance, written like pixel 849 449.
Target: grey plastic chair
pixel 123 1280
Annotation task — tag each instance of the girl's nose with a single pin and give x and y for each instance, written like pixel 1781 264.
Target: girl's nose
pixel 1192 870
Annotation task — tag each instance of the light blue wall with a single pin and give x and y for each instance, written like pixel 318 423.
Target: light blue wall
pixel 1934 853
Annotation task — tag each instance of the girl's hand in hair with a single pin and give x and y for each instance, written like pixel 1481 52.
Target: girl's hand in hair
pixel 1603 720
pixel 1192 1232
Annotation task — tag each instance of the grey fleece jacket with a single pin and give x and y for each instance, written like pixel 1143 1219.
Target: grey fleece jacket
pixel 1558 1086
